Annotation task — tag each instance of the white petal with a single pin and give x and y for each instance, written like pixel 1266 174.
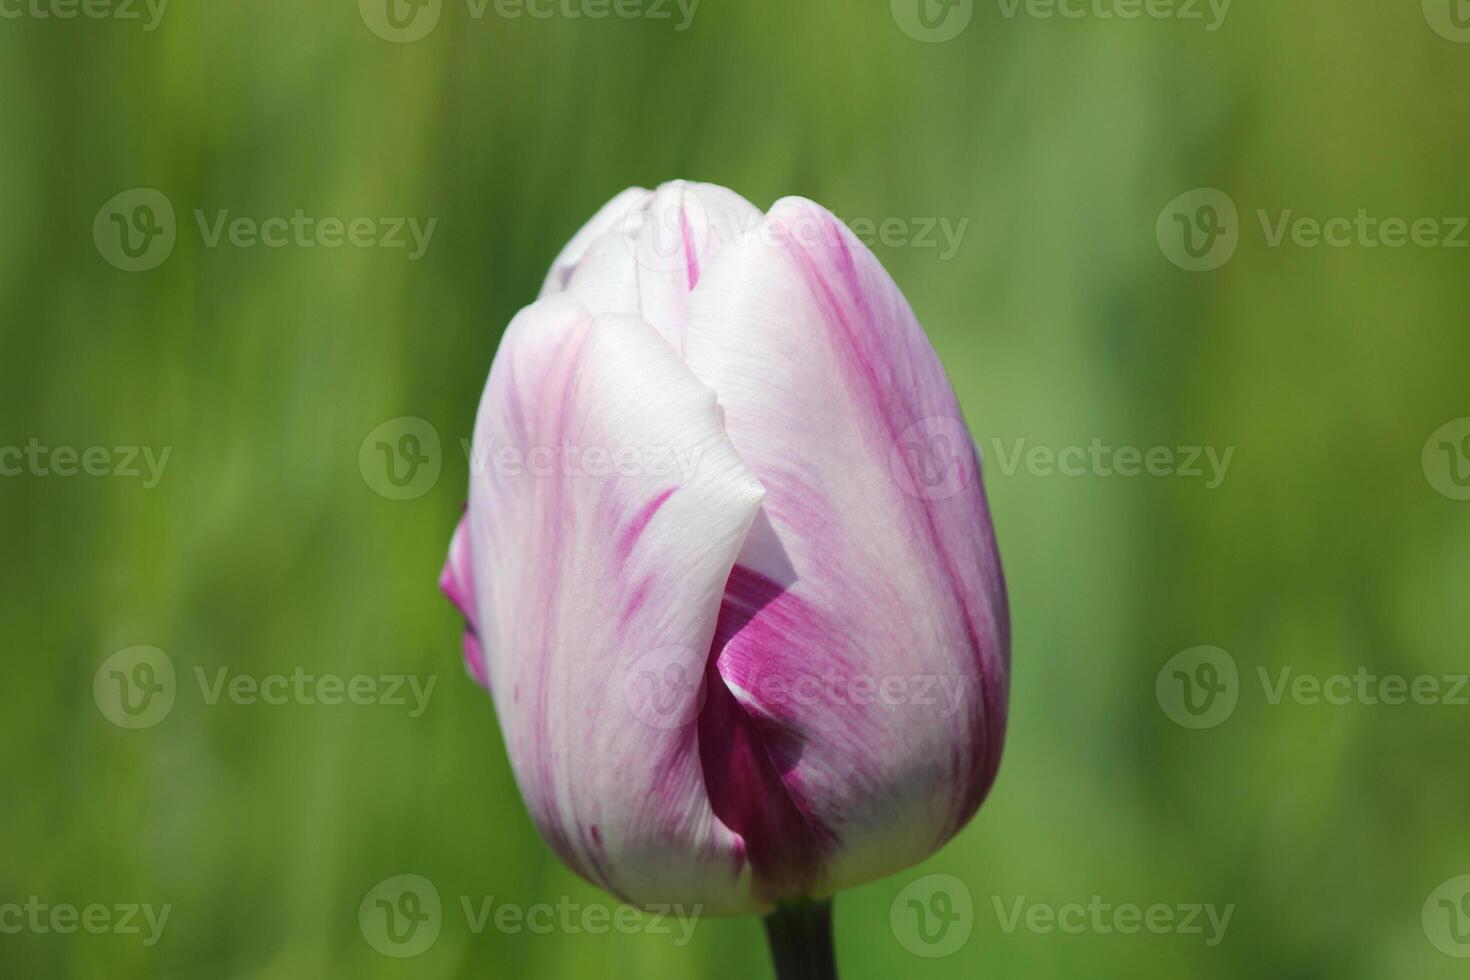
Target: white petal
pixel 606 510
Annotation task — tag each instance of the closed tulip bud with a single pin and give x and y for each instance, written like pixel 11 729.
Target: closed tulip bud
pixel 727 564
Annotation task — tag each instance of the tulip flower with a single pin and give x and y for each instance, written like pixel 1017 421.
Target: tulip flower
pixel 728 568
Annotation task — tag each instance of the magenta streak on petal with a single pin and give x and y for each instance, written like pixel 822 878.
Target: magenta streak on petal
pixel 458 586
pixel 635 603
pixel 691 253
pixel 639 523
pixel 597 859
pixel 978 778
pixel 457 581
pixel 747 756
pixel 554 397
pixel 775 648
pixel 597 854
pixel 577 847
pixel 474 658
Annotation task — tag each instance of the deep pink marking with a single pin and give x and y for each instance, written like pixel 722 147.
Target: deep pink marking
pixel 639 523
pixel 474 658
pixel 635 603
pixel 748 758
pixel 769 640
pixel 691 253
pixel 600 870
pixel 457 579
pixel 746 792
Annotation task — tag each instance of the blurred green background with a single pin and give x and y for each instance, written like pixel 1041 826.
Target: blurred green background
pixel 1330 546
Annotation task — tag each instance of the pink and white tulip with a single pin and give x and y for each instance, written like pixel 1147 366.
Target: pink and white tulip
pixel 727 563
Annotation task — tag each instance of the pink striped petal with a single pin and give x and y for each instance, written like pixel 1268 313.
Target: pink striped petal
pixel 457 581
pixel 606 510
pixel 864 631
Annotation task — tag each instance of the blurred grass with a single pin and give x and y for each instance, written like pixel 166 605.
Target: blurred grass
pixel 1059 319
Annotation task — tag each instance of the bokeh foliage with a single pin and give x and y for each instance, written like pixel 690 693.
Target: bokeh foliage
pixel 1059 318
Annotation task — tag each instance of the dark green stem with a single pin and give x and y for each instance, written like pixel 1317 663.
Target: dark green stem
pixel 800 934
